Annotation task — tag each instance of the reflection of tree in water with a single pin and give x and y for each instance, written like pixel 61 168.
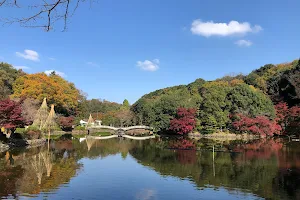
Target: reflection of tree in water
pixel 272 176
pixel 186 156
pixel 94 149
pixel 287 182
pixel 186 153
pixel 36 170
pixel 38 166
pixel 48 161
pixel 41 162
pixel 90 142
pixel 9 174
pixel 262 148
pixel 254 170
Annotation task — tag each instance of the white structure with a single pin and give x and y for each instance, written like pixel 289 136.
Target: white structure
pixel 96 123
pixel 83 123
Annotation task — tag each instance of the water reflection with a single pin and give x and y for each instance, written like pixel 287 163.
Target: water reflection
pixel 266 168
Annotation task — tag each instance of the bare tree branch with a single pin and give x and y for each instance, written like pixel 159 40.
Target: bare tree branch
pixel 45 14
pixel 2 2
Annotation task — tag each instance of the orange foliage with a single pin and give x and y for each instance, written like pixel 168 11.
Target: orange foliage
pixel 235 82
pixel 57 90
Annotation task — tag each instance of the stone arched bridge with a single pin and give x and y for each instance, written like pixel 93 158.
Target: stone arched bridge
pixel 120 130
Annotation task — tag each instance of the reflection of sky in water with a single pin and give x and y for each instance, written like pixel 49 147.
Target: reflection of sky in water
pixel 146 194
pixel 116 178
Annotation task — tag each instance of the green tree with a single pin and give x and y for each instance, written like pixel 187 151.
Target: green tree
pixel 214 110
pixel 250 101
pixel 8 75
pixel 126 104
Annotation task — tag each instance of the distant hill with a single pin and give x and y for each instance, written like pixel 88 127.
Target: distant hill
pixel 281 82
pixel 252 95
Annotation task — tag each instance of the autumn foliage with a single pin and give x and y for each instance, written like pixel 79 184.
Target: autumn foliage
pixel 288 118
pixel 287 121
pixel 263 148
pixel 184 122
pixel 259 125
pixel 66 123
pixel 182 144
pixel 11 114
pixel 57 90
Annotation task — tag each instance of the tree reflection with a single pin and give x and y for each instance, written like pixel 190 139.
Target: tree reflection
pixel 36 170
pixel 268 168
pixel 38 166
pixel 90 142
pixel 48 161
pixel 251 166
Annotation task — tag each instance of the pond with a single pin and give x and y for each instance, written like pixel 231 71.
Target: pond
pixel 126 169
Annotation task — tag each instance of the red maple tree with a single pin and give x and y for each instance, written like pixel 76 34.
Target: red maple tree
pixel 66 123
pixel 184 122
pixel 294 112
pixel 288 118
pixel 282 111
pixel 259 125
pixel 11 114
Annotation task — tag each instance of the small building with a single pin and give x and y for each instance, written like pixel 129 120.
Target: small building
pixel 95 123
pixel 98 122
pixel 83 123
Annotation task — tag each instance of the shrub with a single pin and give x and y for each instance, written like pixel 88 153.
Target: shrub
pixel 32 133
pixel 20 130
pixel 46 130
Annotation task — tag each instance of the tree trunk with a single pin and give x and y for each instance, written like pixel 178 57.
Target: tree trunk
pixel 49 140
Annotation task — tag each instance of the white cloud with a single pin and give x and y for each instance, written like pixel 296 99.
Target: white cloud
pixel 210 28
pixel 21 67
pixel 51 58
pixel 148 65
pixel 48 72
pixel 244 43
pixel 92 64
pixel 29 55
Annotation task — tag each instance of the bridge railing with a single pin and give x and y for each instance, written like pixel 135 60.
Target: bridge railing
pixel 121 128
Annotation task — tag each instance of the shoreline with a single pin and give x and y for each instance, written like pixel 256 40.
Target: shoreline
pixel 224 136
pixel 22 144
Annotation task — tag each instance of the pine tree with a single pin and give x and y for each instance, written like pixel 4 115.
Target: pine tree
pixel 50 123
pixel 90 121
pixel 41 116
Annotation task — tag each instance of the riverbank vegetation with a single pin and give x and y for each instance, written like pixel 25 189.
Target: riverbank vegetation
pixel 265 103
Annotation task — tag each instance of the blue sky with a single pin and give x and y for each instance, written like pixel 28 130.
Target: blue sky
pixel 124 49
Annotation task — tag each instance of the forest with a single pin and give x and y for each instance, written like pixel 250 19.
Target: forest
pixel 265 102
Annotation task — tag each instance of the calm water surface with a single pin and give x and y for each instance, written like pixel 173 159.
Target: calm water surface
pixel 126 169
